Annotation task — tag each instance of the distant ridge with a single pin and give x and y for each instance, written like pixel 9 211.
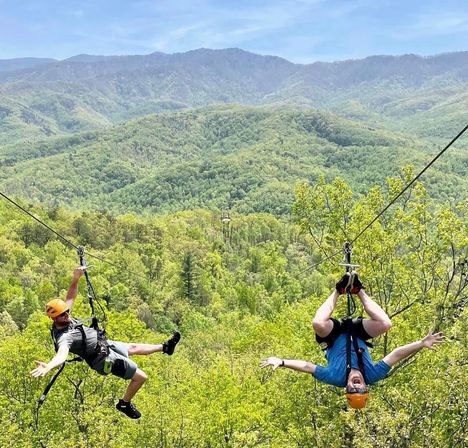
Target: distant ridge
pixel 10 65
pixel 347 71
pixel 418 94
pixel 88 58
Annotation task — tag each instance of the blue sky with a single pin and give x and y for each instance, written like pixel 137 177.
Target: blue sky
pixel 301 31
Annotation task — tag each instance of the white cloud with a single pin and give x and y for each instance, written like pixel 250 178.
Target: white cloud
pixel 168 40
pixel 434 24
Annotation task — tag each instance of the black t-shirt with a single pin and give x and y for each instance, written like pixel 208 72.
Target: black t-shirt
pixel 72 337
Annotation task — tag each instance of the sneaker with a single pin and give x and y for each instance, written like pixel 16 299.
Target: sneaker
pixel 356 285
pixel 170 345
pixel 343 283
pixel 128 409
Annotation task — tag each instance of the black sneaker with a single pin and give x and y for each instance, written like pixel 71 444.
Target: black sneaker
pixel 170 345
pixel 343 283
pixel 356 284
pixel 128 409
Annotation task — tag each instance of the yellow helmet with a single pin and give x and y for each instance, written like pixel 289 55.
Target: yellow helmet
pixel 357 400
pixel 56 307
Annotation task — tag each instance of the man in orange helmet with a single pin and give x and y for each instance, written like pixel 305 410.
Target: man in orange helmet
pixel 104 356
pixel 332 335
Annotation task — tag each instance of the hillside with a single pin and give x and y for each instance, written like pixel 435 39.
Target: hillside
pixel 88 92
pixel 240 158
pixel 237 295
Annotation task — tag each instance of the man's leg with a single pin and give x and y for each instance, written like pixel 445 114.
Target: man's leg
pixel 124 405
pixel 167 347
pixel 379 322
pixel 322 323
pixel 144 349
pixel 135 384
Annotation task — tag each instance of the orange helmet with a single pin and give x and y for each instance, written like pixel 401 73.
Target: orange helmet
pixel 56 307
pixel 357 400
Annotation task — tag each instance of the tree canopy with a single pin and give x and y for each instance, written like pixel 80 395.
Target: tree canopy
pixel 239 292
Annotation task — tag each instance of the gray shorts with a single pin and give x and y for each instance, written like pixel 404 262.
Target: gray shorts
pixel 122 365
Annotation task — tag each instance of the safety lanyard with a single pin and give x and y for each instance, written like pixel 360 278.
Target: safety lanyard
pixel 351 338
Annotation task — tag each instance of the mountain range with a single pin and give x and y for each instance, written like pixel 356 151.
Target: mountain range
pixel 424 96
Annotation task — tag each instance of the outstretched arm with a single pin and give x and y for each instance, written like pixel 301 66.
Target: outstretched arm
pixel 293 364
pixel 73 289
pixel 430 341
pixel 43 369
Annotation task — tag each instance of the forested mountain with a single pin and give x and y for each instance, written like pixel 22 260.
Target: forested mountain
pixel 240 158
pixel 87 92
pixel 311 155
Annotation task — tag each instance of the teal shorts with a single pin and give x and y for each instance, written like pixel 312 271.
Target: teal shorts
pixel 122 365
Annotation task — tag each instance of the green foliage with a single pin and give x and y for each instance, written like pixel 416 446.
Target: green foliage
pixel 170 264
pixel 238 158
pixel 252 294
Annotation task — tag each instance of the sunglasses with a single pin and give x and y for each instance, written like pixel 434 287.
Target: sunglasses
pixel 356 390
pixel 65 313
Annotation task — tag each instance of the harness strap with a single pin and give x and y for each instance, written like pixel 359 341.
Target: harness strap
pixel 352 338
pixel 349 328
pixel 51 383
pixel 102 350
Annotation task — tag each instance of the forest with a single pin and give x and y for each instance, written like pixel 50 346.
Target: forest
pixel 240 158
pixel 420 95
pixel 239 291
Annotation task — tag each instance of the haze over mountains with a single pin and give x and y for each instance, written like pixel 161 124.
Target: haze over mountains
pixel 88 92
pixel 10 65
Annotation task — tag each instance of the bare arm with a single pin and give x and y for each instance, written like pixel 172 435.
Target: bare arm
pixel 73 289
pixel 293 364
pixel 43 369
pixel 404 351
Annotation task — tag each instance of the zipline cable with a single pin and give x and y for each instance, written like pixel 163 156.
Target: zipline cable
pixel 411 183
pixel 65 240
pixel 38 220
pixel 333 255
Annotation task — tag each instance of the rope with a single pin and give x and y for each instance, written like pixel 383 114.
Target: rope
pixel 41 400
pixel 349 268
pixel 92 297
